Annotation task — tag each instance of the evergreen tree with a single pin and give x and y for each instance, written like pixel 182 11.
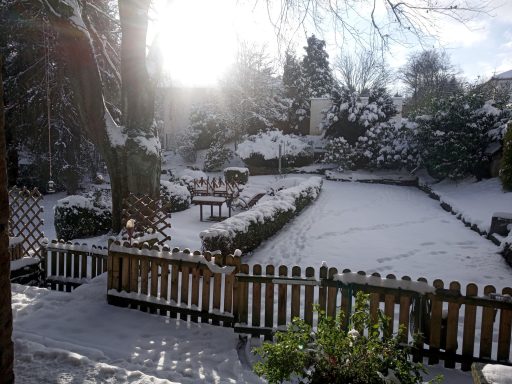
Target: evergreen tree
pixel 293 83
pixel 318 79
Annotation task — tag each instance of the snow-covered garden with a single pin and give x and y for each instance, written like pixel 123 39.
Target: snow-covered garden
pixel 307 219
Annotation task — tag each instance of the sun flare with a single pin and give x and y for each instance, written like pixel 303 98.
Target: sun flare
pixel 198 41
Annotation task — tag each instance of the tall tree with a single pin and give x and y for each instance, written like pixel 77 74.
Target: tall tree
pixel 131 150
pixel 318 79
pixel 429 74
pixel 6 346
pixel 363 70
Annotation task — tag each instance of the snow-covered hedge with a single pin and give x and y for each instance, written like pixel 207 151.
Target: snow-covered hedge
pixel 246 230
pixel 177 195
pixel 262 150
pixel 238 174
pixel 79 216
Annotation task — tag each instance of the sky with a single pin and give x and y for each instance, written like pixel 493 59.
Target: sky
pixel 199 38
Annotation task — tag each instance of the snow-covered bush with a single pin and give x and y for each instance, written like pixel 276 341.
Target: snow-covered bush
pixel 454 133
pixel 187 145
pixel 187 176
pixel 387 145
pixel 332 354
pixel 239 175
pixel 177 195
pixel 262 150
pixel 216 156
pixel 205 122
pixel 350 117
pixel 246 230
pixel 79 216
pixel 506 161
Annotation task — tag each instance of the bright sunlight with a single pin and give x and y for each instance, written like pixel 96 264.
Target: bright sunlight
pixel 198 41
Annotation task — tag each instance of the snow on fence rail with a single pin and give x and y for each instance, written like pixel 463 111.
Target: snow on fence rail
pixel 457 326
pixel 177 282
pixel 66 265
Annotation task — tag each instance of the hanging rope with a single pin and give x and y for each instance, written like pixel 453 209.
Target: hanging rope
pixel 48 101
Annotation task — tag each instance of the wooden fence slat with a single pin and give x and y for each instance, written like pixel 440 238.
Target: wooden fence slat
pixel 309 297
pixel 243 297
pixel 256 297
pixel 505 330
pixel 468 338
pixel 154 277
pixel 185 276
pixel 269 298
pixel 144 271
pixel 295 305
pixel 164 280
pixel 229 280
pixel 282 295
pixel 175 275
pixel 83 265
pixel 205 296
pixel 134 273
pixel 69 256
pixel 403 314
pixel 217 289
pixel 374 304
pixel 346 303
pixel 332 294
pixel 125 272
pixel 389 309
pixel 487 326
pixel 452 328
pixel 76 264
pixel 322 291
pixel 194 299
pixel 434 328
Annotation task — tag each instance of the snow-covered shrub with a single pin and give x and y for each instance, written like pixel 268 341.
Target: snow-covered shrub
pixel 506 161
pixel 177 195
pixel 332 354
pixel 216 156
pixel 453 134
pixel 350 117
pixel 79 216
pixel 246 230
pixel 205 124
pixel 386 145
pixel 239 175
pixel 187 145
pixel 339 151
pixel 262 150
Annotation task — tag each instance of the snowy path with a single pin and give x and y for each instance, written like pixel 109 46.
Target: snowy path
pixel 79 335
pixel 385 229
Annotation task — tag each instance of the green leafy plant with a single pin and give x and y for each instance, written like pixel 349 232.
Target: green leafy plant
pixel 506 162
pixel 365 354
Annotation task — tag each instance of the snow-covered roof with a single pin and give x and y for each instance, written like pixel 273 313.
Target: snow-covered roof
pixel 504 76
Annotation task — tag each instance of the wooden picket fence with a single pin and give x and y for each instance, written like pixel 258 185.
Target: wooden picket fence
pixel 190 286
pixel 457 327
pixel 15 248
pixel 26 218
pixel 66 265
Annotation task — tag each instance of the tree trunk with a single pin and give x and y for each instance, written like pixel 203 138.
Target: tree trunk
pixel 131 151
pixel 6 346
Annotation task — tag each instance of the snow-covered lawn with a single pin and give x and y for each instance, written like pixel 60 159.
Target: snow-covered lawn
pixel 385 229
pixel 78 337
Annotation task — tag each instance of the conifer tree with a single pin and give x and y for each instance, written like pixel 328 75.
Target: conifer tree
pixel 318 79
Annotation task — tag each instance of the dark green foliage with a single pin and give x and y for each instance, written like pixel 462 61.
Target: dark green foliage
pixel 78 217
pixel 216 156
pixel 237 175
pixel 318 80
pixel 256 160
pixel 332 355
pixel 506 161
pixel 205 125
pixel 177 195
pixel 453 134
pixel 350 118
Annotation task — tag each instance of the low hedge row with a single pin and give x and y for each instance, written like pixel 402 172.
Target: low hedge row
pixel 246 230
